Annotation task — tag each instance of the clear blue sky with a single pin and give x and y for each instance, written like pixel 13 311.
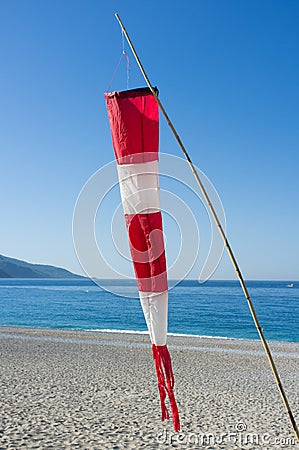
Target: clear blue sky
pixel 227 71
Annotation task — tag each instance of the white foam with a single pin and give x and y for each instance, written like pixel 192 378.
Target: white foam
pixel 201 336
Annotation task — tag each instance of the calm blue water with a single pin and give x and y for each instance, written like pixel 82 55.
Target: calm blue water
pixel 216 308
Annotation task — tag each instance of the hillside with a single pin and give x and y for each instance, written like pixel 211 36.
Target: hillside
pixel 15 268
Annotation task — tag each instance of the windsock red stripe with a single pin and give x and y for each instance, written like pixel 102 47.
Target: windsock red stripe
pixel 134 122
pixel 147 251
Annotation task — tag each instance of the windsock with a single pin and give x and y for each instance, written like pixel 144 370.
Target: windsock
pixel 134 123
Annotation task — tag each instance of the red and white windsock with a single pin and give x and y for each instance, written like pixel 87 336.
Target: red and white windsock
pixel 134 122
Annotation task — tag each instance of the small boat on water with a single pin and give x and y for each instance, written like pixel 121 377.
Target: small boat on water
pixel 291 285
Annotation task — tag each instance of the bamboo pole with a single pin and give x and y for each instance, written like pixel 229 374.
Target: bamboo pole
pixel 223 235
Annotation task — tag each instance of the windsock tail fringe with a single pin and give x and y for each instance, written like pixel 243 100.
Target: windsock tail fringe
pixel 164 371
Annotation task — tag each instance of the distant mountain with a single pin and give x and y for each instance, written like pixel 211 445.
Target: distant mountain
pixel 15 268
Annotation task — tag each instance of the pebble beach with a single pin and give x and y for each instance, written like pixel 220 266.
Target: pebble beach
pixel 65 389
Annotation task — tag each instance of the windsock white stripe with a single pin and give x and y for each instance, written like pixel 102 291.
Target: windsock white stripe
pixel 139 187
pixel 155 310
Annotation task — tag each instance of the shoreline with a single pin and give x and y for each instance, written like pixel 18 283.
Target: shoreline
pixel 171 336
pixel 71 389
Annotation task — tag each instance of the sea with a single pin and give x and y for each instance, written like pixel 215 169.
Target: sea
pixel 212 309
